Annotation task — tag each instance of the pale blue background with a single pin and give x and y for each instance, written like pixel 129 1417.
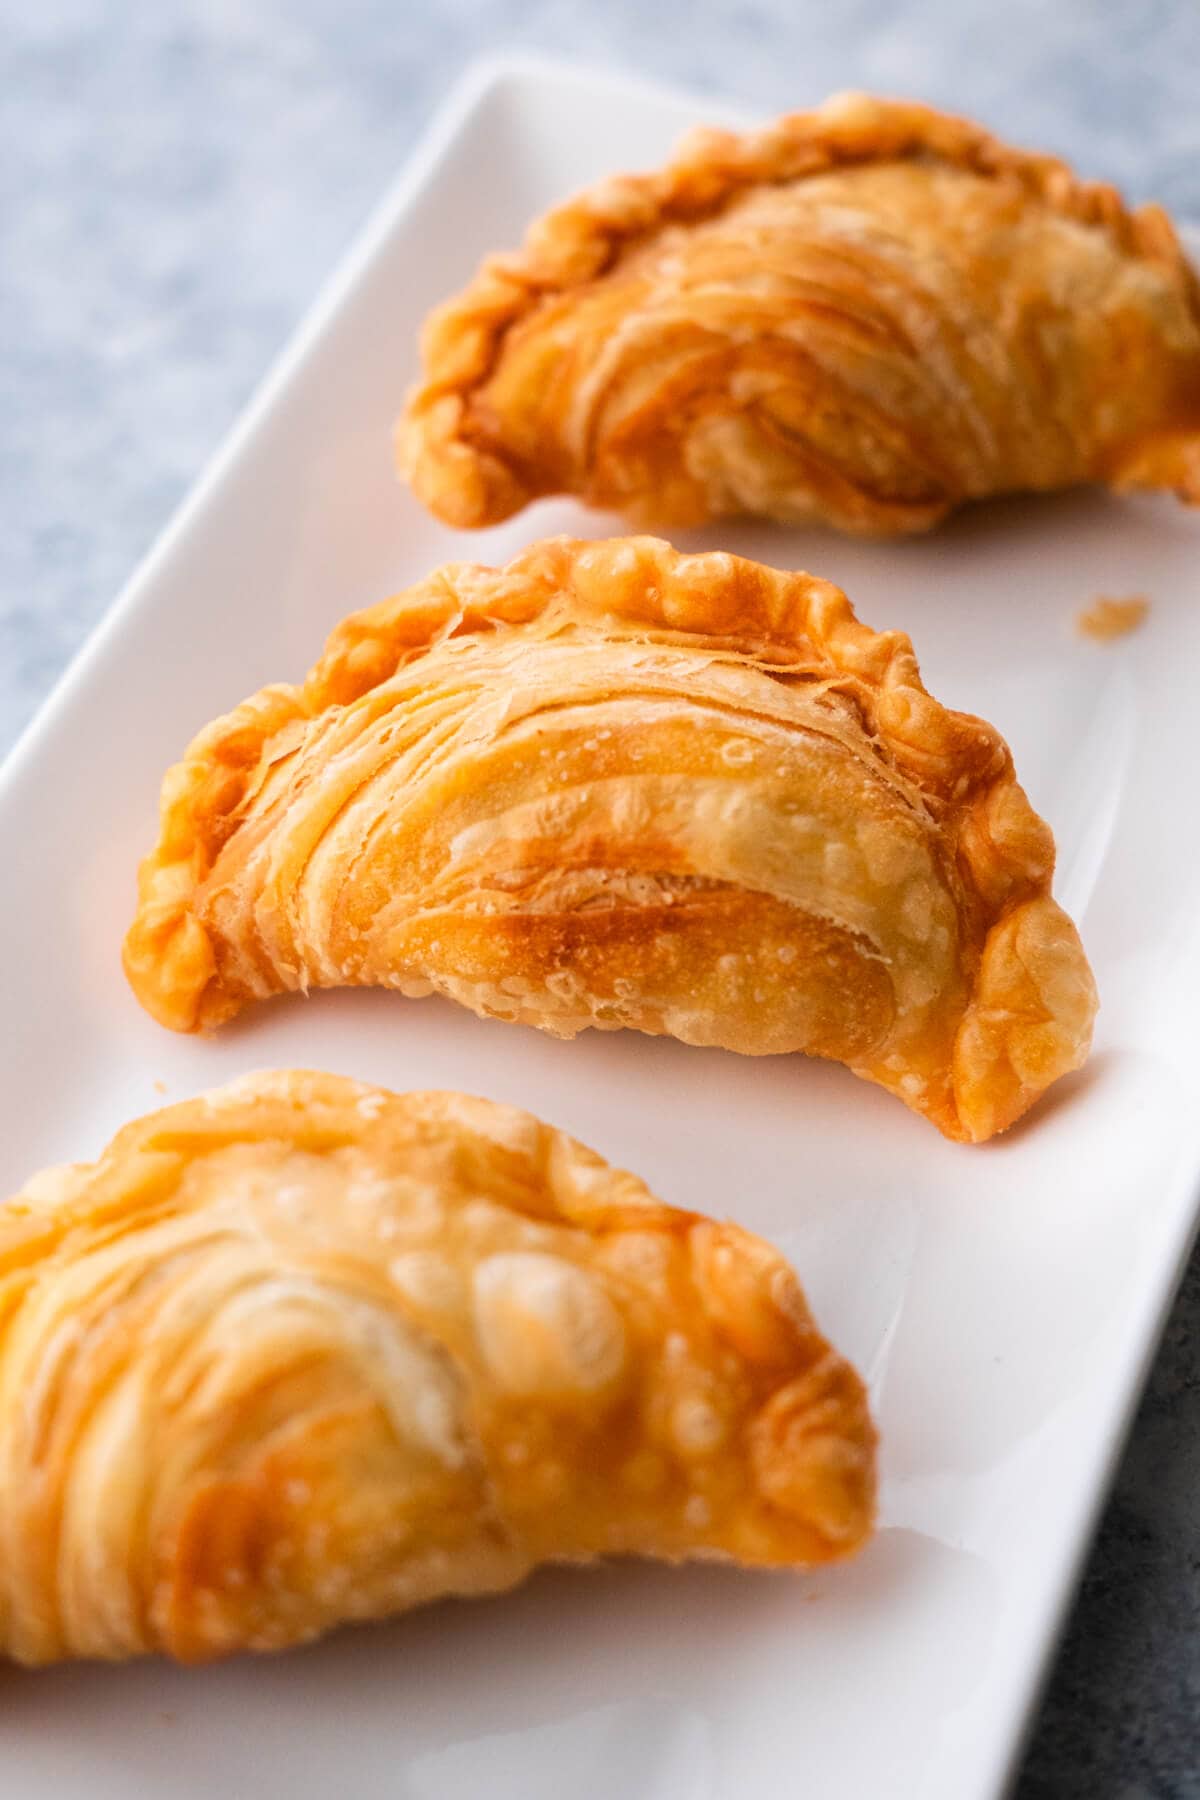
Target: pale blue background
pixel 176 179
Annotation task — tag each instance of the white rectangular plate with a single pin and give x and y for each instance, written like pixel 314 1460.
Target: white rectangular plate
pixel 1003 1301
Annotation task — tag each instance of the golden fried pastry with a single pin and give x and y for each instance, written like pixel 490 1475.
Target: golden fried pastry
pixel 864 314
pixel 301 1352
pixel 612 785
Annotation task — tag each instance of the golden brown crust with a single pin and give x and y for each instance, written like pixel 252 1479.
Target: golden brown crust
pixel 472 477
pixel 790 642
pixel 301 1352
pixel 200 801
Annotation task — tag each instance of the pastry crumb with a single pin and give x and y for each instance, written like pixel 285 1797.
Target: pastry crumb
pixel 160 1087
pixel 1107 618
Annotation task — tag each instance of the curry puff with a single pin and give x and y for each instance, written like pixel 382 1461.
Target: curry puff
pixel 302 1352
pixel 865 314
pixel 613 785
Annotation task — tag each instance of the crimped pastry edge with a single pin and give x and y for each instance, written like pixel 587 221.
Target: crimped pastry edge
pixel 47 1207
pixel 576 242
pixel 1005 850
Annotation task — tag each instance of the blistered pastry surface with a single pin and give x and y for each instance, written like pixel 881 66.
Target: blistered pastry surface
pixel 302 1351
pixel 611 785
pixel 864 314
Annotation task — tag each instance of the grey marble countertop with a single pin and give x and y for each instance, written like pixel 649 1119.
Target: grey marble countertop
pixel 144 287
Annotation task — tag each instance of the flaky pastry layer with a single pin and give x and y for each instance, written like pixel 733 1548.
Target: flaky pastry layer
pixel 612 785
pixel 302 1352
pixel 864 314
